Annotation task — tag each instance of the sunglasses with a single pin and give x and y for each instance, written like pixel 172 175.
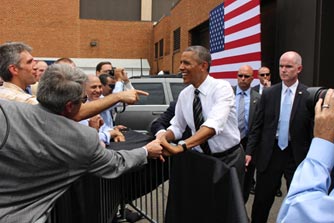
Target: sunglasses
pixel 265 74
pixel 243 75
pixel 112 86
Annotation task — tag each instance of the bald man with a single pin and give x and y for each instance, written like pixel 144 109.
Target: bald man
pixel 93 90
pixel 280 135
pixel 246 101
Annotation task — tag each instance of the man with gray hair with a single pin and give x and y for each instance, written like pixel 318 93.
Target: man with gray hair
pixel 46 151
pixel 18 70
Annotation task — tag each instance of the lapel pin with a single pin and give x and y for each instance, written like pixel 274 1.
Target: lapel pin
pixel 299 92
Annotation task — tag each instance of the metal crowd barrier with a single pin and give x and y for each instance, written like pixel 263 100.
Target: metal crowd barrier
pixel 99 200
pixel 148 190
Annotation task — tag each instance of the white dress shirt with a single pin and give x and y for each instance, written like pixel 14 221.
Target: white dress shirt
pixel 219 111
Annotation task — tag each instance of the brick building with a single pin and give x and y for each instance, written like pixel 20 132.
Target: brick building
pixel 57 29
pixel 159 30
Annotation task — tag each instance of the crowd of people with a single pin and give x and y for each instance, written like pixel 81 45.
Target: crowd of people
pixel 266 132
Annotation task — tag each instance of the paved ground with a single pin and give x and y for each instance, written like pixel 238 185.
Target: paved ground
pixel 275 208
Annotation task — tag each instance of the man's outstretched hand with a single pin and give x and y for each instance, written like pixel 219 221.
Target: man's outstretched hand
pixel 130 96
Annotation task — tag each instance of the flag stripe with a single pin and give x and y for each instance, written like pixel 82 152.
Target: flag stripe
pixel 256 47
pixel 243 25
pixel 239 58
pixel 245 41
pixel 228 74
pixel 233 66
pixel 242 34
pixel 249 8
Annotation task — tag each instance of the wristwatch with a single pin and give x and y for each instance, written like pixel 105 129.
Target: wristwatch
pixel 183 144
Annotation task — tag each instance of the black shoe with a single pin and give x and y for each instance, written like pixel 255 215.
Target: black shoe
pixel 132 216
pixel 279 193
pixel 252 190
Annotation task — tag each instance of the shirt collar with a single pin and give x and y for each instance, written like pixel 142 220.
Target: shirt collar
pixel 293 87
pixel 13 86
pixel 238 91
pixel 205 86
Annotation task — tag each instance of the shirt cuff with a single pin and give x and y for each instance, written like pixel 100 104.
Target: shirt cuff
pixel 144 147
pixel 160 131
pixel 322 151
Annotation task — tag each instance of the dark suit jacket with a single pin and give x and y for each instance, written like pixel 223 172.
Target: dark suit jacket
pixel 254 99
pixel 256 88
pixel 261 138
pixel 163 122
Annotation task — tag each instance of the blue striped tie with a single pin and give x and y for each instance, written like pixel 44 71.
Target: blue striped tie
pixel 241 115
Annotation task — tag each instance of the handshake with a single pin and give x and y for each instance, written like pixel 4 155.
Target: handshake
pixel 161 147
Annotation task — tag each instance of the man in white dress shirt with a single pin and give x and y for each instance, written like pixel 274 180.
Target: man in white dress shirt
pixel 219 131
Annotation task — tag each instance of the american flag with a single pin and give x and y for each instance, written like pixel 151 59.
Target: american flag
pixel 235 37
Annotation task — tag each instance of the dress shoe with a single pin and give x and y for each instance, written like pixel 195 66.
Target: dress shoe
pixel 279 193
pixel 252 190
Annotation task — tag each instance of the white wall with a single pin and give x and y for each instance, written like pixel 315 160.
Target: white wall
pixel 134 67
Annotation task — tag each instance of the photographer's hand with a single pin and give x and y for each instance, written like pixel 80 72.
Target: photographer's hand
pixel 324 117
pixel 118 74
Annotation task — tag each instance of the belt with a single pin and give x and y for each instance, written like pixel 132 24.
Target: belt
pixel 226 152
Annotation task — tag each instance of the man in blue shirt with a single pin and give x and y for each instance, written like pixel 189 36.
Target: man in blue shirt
pixel 308 199
pixel 246 100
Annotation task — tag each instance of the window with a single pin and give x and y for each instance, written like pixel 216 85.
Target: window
pixel 119 10
pixel 161 48
pixel 156 91
pixel 156 50
pixel 177 37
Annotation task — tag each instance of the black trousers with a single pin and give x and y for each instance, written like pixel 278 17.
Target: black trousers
pixel 249 174
pixel 237 160
pixel 282 163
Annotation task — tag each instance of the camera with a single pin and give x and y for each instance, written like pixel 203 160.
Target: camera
pixel 314 94
pixel 112 71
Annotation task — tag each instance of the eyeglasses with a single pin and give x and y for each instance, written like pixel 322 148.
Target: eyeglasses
pixel 265 74
pixel 112 86
pixel 243 75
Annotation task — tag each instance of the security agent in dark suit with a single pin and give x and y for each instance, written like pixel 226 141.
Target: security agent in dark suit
pixel 264 76
pixel 251 99
pixel 273 160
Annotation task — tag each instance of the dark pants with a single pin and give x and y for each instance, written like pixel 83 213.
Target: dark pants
pixel 267 182
pixel 249 175
pixel 237 160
